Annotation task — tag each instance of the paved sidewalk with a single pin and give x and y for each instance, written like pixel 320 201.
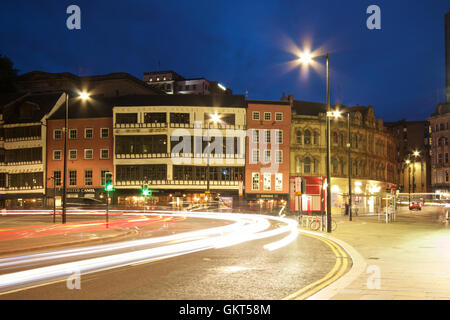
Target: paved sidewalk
pixel 411 257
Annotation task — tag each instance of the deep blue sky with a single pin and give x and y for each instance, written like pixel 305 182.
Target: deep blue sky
pixel 243 44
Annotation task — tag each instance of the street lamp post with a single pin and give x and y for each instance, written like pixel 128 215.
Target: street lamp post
pixel 307 58
pixel 83 96
pixel 409 181
pixel 349 144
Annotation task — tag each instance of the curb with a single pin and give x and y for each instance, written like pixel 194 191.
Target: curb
pixel 4 254
pixel 359 266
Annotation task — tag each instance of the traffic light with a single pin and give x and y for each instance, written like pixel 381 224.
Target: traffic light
pixel 145 190
pixel 108 182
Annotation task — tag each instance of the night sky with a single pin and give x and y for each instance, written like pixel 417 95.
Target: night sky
pixel 246 45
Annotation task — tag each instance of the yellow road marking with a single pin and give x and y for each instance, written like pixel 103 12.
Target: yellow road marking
pixel 336 272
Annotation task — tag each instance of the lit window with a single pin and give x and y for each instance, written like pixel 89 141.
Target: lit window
pixel 267 181
pixel 57 178
pixel 278 182
pixel 255 181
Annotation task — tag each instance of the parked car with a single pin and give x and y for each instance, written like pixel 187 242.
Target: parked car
pixel 415 206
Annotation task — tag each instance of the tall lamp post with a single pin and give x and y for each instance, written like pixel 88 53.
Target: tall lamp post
pixel 215 118
pixel 408 162
pixel 83 96
pixel 306 58
pixel 415 154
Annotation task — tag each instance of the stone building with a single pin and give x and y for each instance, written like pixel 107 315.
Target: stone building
pixel 373 156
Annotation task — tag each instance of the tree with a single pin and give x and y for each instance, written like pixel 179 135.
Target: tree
pixel 7 75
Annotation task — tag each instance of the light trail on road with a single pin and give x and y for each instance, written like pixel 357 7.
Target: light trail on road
pixel 245 227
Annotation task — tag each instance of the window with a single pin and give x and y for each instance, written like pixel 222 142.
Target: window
pixel 279 158
pixel 266 156
pixel 267 136
pixel 440 158
pixel 56 154
pixel 255 136
pixel 307 164
pixel 126 118
pixel 255 156
pixel 255 181
pixel 104 133
pixel 267 116
pixel 88 154
pixel 57 178
pixel 279 116
pixel 73 133
pixel 88 177
pixel 88 133
pixel 73 154
pixel 72 177
pixel 104 154
pixel 278 182
pixel 298 137
pixel 255 115
pixel 307 138
pixel 187 87
pixel 279 136
pixel 267 181
pixel 316 138
pixel 155 117
pixel 179 118
pixel 57 134
pixel 446 158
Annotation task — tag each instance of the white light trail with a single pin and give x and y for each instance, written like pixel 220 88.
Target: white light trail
pixel 246 227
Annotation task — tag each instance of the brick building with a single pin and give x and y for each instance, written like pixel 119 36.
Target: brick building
pixel 89 148
pixel 267 152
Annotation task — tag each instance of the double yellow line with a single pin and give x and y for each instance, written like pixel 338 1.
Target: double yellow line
pixel 340 267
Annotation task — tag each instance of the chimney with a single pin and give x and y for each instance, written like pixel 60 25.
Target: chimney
pixel 283 98
pixel 291 98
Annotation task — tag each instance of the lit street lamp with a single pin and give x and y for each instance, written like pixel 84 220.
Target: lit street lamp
pixel 306 58
pixel 83 96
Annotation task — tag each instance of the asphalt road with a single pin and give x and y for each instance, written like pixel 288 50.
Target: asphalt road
pixel 243 271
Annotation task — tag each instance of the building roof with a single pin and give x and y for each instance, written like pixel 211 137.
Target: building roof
pixel 442 108
pixel 101 107
pixel 40 105
pixel 272 102
pixel 183 100
pixel 308 108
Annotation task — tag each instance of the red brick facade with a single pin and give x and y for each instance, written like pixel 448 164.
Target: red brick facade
pixel 267 170
pixel 91 154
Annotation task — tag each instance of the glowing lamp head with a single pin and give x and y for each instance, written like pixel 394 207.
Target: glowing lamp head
pixel 416 153
pixel 84 95
pixel 336 114
pixel 306 58
pixel 408 162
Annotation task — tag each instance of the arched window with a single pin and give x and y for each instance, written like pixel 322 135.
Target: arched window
pixel 298 137
pixel 316 138
pixel 307 165
pixel 307 137
pixel 335 138
pixel 316 165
